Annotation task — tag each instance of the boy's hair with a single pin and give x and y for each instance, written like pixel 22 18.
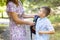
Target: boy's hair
pixel 48 10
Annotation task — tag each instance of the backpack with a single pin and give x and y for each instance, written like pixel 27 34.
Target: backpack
pixel 32 28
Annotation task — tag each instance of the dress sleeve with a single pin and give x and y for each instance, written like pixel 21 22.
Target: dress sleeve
pixel 49 26
pixel 11 7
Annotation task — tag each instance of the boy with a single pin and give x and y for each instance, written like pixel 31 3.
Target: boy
pixel 43 26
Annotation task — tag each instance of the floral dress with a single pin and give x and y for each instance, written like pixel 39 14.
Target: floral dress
pixel 17 32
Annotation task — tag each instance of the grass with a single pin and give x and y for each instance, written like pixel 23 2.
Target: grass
pixel 3 25
pixel 56 36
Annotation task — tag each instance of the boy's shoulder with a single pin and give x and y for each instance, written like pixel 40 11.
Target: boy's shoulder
pixel 47 20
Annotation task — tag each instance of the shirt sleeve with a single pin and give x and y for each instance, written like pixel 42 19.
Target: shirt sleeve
pixel 50 26
pixel 11 7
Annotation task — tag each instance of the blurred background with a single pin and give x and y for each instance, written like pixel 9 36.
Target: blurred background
pixel 31 7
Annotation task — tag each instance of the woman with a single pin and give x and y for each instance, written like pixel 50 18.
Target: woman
pixel 16 15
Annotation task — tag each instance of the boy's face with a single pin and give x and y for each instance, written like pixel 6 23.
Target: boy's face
pixel 42 12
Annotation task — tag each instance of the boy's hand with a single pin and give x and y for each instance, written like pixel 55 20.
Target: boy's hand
pixel 40 32
pixel 46 32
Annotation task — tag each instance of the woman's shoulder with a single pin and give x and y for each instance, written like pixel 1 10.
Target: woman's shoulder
pixel 10 4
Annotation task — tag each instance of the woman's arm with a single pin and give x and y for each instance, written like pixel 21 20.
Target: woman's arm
pixel 46 32
pixel 17 20
pixel 29 16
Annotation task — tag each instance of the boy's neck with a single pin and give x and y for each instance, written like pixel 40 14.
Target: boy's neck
pixel 41 17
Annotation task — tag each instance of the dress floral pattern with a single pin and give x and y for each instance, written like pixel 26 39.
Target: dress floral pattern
pixel 17 32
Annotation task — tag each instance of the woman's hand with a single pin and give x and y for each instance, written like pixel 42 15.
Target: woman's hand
pixel 31 23
pixel 29 16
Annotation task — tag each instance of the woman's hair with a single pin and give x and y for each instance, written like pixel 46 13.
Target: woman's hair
pixel 47 9
pixel 15 2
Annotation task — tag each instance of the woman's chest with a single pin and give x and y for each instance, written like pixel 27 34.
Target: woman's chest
pixel 19 10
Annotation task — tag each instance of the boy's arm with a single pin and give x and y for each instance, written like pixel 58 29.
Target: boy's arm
pixel 50 29
pixel 47 32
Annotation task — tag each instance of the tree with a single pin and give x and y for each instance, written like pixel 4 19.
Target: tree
pixel 53 3
pixel 2 2
pixel 34 4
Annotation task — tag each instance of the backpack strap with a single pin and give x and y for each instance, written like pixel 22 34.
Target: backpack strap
pixel 35 20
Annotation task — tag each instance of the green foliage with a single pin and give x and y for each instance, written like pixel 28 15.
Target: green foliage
pixel 54 18
pixel 37 2
pixel 34 5
pixel 52 2
pixel 22 1
pixel 2 2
